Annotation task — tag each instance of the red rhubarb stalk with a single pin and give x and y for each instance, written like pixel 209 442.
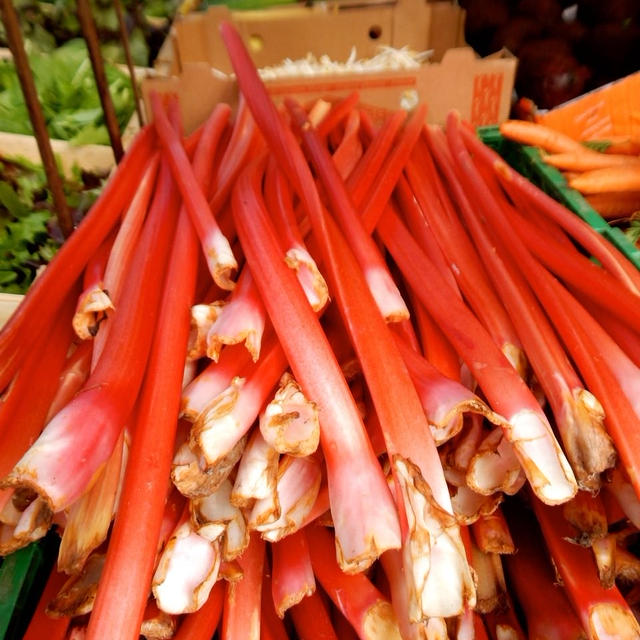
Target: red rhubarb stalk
pixel 368 611
pixel 215 246
pixel 420 484
pixel 528 430
pixel 311 619
pixel 604 614
pixel 44 297
pixel 241 614
pixel 578 414
pixel 202 624
pixel 292 574
pixel 366 523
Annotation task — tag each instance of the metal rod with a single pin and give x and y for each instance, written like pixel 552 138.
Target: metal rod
pixel 16 44
pixel 90 33
pixel 124 36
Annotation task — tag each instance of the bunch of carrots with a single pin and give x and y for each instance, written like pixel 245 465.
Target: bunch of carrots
pixel 300 374
pixel 607 173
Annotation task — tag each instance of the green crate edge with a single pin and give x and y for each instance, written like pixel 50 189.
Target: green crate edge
pixel 26 570
pixel 527 161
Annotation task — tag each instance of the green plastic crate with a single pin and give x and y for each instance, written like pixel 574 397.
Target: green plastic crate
pixel 23 575
pixel 527 161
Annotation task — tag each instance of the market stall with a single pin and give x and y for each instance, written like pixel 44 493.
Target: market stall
pixel 337 351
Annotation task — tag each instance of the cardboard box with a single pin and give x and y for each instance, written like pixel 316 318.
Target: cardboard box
pixel 8 304
pixel 611 110
pixel 480 88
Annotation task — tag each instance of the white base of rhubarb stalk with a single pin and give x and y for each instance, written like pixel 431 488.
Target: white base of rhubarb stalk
pixel 78 593
pixel 187 571
pixel 30 525
pixel 439 578
pixel 585 439
pixel 313 284
pixel 194 478
pixel 215 517
pixel 495 467
pixel 257 472
pixel 92 308
pixel 290 421
pixel 202 318
pixel 220 260
pixel 297 489
pixel 380 623
pixel 551 478
pixel 385 292
pixel 610 622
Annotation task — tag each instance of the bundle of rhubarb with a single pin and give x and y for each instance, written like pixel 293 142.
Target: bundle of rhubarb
pixel 300 374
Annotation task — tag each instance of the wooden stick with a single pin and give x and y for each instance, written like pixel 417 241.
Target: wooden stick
pixel 124 37
pixel 16 44
pixel 93 45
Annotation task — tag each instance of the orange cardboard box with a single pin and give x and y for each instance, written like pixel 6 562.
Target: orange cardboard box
pixel 611 110
pixel 455 77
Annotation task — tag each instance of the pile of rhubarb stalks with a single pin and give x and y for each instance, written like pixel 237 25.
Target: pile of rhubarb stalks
pixel 302 374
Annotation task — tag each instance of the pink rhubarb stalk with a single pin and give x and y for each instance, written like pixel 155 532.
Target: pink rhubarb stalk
pixel 241 319
pixel 241 614
pixel 292 573
pixel 105 402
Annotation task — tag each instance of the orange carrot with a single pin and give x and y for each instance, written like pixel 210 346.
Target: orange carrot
pixel 539 135
pixel 624 178
pixel 588 160
pixel 611 204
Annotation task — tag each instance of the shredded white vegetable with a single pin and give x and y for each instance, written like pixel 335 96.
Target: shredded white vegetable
pixel 387 59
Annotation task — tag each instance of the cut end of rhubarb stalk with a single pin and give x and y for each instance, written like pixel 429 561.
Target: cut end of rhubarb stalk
pixel 440 583
pixel 495 467
pixel 290 422
pixel 380 623
pixel 31 521
pixel 194 478
pixel 92 309
pixel 257 472
pixel 313 284
pixel 202 317
pixel 215 517
pixel 586 441
pixel 221 261
pixel 609 621
pixel 161 627
pixel 186 573
pixel 385 292
pixel 78 593
pixel 544 463
pixel 216 430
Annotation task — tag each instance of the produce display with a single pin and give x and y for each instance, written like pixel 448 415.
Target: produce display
pixel 305 374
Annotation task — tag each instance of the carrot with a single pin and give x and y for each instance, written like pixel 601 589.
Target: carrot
pixel 623 178
pixel 615 204
pixel 587 160
pixel 539 135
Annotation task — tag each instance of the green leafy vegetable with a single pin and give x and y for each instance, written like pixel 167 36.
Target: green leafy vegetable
pixel 28 236
pixel 68 95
